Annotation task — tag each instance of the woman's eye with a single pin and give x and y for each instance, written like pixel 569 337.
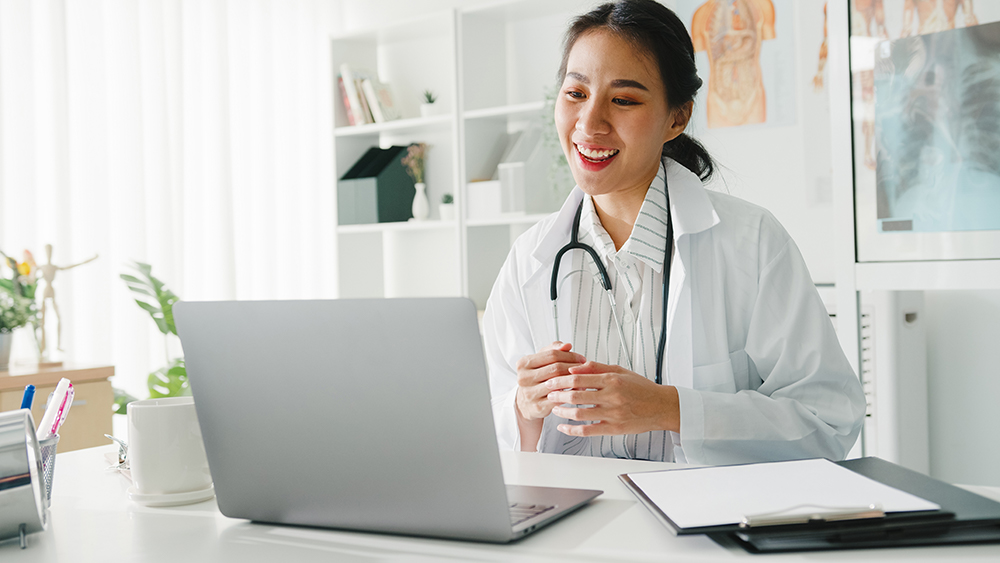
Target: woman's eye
pixel 575 94
pixel 624 102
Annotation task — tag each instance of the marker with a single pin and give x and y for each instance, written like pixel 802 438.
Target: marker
pixel 56 406
pixel 29 397
pixel 64 409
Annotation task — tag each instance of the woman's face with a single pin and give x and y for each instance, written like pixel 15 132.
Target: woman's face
pixel 612 115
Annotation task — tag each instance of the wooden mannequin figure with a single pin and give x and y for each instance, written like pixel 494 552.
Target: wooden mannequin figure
pixel 48 272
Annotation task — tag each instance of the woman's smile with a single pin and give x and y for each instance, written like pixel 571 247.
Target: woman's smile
pixel 595 158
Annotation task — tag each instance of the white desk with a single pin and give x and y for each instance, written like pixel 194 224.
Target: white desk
pixel 93 520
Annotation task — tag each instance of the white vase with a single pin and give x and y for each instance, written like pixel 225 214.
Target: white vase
pixel 421 207
pixel 6 338
pixel 447 211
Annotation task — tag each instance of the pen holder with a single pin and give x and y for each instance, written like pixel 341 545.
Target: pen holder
pixel 48 453
pixel 23 509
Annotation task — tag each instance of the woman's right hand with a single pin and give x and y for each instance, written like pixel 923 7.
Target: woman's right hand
pixel 532 373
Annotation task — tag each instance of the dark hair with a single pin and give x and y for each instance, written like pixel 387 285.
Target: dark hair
pixel 656 30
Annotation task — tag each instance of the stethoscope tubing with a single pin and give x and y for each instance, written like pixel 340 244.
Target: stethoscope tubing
pixel 575 244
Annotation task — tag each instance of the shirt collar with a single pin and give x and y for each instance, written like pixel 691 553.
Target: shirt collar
pixel 648 239
pixel 690 208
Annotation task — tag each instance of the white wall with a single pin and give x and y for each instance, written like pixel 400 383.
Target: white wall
pixel 963 364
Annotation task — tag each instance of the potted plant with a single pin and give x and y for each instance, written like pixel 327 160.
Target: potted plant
pixel 153 297
pixel 427 108
pixel 17 302
pixel 447 208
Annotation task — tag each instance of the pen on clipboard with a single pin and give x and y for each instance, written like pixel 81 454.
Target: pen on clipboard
pixel 56 411
pixel 29 397
pixel 821 514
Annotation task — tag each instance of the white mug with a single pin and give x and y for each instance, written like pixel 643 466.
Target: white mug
pixel 165 449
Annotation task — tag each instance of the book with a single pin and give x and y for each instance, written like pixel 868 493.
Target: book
pixel 353 95
pixel 372 98
pixel 346 100
pixel 379 100
pixel 365 107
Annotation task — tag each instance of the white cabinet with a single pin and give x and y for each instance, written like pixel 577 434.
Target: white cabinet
pixel 491 69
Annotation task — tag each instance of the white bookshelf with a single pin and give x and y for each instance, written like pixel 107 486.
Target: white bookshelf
pixel 491 68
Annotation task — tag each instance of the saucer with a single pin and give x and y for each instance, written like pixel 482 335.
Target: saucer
pixel 171 499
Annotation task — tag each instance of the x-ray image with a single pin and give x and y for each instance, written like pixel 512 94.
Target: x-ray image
pixel 937 129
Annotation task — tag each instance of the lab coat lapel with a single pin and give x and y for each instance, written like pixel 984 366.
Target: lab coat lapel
pixel 691 212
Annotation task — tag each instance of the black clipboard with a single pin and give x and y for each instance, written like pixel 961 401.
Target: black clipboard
pixel 964 517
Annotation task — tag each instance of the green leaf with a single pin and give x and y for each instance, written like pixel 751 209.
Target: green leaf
pixel 153 310
pixel 141 291
pixel 169 381
pixel 133 280
pixel 122 399
pixel 162 309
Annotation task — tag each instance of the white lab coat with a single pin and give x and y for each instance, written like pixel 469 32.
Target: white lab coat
pixel 750 347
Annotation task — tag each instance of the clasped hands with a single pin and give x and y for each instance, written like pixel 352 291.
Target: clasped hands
pixel 618 401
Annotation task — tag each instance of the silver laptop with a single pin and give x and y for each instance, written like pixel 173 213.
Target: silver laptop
pixel 369 414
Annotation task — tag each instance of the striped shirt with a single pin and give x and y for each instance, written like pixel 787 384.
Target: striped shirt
pixel 636 272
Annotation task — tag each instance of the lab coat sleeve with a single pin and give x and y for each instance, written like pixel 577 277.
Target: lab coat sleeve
pixel 506 335
pixel 809 402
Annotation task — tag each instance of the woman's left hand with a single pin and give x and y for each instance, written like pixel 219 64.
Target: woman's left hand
pixel 624 402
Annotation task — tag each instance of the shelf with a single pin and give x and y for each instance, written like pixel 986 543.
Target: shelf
pixel 928 275
pixel 516 110
pixel 395 226
pixel 432 121
pixel 507 220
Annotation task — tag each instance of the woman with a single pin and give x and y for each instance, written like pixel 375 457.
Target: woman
pixel 751 367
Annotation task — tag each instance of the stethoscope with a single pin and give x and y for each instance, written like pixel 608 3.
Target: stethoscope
pixel 574 243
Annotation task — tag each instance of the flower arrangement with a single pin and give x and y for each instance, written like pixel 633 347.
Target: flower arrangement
pixel 17 294
pixel 429 97
pixel 414 161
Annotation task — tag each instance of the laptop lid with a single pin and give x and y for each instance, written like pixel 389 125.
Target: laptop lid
pixel 370 414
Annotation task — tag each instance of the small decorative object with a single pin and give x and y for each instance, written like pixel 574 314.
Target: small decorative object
pixel 17 301
pixel 49 271
pixel 447 208
pixel 421 207
pixel 153 296
pixel 414 163
pixel 427 107
pixel 378 188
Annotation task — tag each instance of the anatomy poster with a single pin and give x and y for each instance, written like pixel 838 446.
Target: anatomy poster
pixel 745 50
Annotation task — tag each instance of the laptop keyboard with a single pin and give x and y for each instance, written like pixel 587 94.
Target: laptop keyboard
pixel 519 512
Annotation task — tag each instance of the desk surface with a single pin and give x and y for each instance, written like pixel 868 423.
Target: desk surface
pixel 93 520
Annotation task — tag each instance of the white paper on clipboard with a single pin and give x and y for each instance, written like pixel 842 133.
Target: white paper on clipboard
pixel 721 496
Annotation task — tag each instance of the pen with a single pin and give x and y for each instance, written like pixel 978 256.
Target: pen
pixel 29 396
pixel 54 410
pixel 822 514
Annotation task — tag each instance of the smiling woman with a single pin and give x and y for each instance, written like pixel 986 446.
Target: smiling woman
pixel 735 360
